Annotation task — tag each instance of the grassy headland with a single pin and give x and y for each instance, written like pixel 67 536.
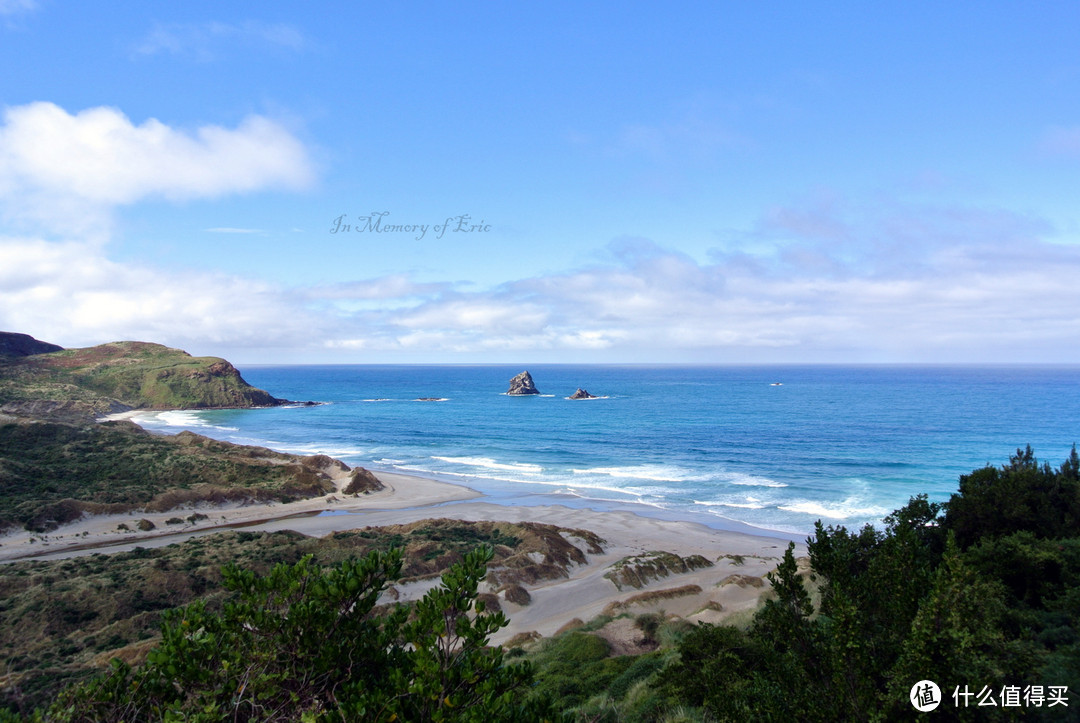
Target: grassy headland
pixel 120 376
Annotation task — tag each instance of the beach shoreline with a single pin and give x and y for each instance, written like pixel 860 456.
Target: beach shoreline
pixel 732 586
pixel 93 533
pixel 404 498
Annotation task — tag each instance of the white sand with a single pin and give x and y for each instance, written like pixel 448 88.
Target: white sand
pixel 585 594
pixel 102 533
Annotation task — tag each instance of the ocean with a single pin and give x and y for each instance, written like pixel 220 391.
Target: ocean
pixel 769 447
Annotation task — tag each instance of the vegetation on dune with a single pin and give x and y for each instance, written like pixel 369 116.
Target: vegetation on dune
pixel 636 571
pixel 981 593
pixel 56 464
pixel 53 472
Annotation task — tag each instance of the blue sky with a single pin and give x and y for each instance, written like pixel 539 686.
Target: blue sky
pixel 714 183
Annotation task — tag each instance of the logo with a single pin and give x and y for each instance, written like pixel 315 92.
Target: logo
pixel 925 696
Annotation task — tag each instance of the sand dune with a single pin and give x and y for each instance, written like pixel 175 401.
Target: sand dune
pixel 730 587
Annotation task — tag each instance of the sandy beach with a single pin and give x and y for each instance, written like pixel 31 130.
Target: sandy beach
pixel 730 588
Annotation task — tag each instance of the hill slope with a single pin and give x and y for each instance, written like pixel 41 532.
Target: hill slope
pixel 119 376
pixel 17 345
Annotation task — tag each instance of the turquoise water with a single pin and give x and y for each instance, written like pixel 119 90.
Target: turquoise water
pixel 775 447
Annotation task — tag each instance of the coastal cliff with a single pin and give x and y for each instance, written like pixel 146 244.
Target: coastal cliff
pixel 115 377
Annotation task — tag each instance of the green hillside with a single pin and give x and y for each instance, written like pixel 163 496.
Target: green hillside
pixel 126 374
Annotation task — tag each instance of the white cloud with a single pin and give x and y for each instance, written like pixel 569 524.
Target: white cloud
pixel 99 156
pixel 393 287
pixel 983 298
pixel 906 284
pixel 828 280
pixel 61 173
pixel 205 41
pixel 491 317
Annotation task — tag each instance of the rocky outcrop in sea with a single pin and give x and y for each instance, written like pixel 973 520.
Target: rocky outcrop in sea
pixel 522 384
pixel 581 394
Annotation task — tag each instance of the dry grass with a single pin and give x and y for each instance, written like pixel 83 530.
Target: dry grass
pixel 637 570
pixel 645 598
pixel 522 639
pixel 571 625
pixel 516 594
pixel 742 581
pixel 362 481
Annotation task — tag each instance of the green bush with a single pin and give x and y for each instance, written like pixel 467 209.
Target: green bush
pixel 982 590
pixel 302 643
pixel 575 666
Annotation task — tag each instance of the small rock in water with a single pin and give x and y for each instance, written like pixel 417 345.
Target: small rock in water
pixel 582 394
pixel 522 384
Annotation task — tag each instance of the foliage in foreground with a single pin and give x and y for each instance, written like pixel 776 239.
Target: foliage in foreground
pixel 981 591
pixel 62 620
pixel 302 643
pixel 985 595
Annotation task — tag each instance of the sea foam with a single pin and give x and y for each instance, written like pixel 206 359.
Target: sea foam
pixel 488 463
pixel 845 510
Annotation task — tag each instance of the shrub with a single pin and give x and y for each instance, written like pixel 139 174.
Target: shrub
pixel 301 643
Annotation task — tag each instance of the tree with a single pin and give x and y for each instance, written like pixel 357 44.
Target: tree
pixel 450 674
pixel 986 594
pixel 796 674
pixel 715 670
pixel 307 644
pixel 956 639
pixel 1021 495
pixel 871 584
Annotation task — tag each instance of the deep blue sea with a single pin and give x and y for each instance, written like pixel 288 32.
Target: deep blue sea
pixel 775 447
